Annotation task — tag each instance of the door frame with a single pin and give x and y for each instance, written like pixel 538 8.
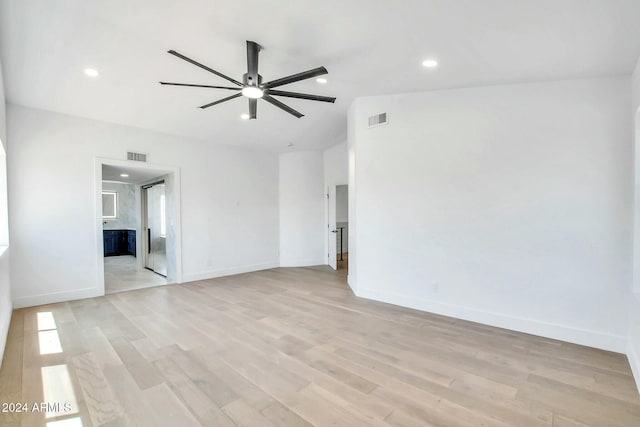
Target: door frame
pixel 162 170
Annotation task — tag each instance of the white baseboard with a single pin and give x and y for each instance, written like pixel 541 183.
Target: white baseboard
pixel 530 326
pixel 634 362
pixel 303 262
pixel 212 274
pixel 41 299
pixel 351 281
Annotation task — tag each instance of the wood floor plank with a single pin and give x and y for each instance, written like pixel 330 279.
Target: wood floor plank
pixel 207 382
pixel 192 396
pixel 101 402
pixel 248 391
pixel 244 415
pixel 400 419
pixel 169 411
pixel 137 411
pixel 323 409
pixel 101 348
pixel 143 372
pixel 280 415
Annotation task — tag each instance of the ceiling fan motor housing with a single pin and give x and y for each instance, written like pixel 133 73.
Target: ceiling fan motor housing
pixel 249 81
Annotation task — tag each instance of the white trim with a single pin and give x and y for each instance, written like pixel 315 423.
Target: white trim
pixel 352 284
pixel 302 262
pixel 34 300
pixel 634 362
pixel 111 181
pixel 162 170
pixel 570 334
pixel 212 274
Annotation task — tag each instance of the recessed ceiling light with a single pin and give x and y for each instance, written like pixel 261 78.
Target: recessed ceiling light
pixel 244 116
pixel 322 81
pixel 430 63
pixel 252 92
pixel 91 72
pixel 124 175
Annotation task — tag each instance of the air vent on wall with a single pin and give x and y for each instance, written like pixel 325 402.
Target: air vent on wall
pixel 138 157
pixel 378 119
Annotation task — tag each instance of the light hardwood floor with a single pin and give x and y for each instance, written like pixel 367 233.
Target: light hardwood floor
pixel 294 347
pixel 344 264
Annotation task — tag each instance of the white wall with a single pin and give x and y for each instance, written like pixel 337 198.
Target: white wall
pixel 6 306
pixel 635 117
pixel 336 165
pixel 229 202
pixel 507 205
pixel 128 211
pixel 633 337
pixel 336 172
pixel 3 113
pixel 635 86
pixel 342 203
pixel 342 217
pixel 301 207
pixel 353 126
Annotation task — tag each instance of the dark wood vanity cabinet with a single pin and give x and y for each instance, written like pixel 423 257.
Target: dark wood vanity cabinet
pixel 131 242
pixel 119 242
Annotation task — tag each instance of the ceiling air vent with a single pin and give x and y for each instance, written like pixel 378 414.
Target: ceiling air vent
pixel 138 157
pixel 378 120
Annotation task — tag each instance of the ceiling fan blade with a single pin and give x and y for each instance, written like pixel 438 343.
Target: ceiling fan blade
pixel 301 95
pixel 253 49
pixel 253 108
pixel 297 77
pixel 228 98
pixel 280 105
pixel 194 85
pixel 204 67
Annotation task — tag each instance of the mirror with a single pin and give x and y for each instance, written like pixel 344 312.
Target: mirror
pixel 109 205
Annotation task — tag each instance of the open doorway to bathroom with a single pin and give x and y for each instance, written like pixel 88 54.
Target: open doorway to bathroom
pixel 138 235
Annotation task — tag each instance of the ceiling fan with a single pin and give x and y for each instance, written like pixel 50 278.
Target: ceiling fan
pixel 252 86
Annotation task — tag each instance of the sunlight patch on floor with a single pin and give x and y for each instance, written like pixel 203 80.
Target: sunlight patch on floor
pixel 58 390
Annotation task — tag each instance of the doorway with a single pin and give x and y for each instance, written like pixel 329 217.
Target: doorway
pixel 154 227
pixel 138 233
pixel 338 227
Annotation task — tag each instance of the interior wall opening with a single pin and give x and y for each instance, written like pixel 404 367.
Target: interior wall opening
pixel 138 207
pixel 338 227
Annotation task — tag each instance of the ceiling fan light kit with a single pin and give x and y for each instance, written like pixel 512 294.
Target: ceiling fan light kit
pixel 252 87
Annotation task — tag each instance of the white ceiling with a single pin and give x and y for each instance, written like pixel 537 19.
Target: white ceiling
pixel 369 47
pixel 136 175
